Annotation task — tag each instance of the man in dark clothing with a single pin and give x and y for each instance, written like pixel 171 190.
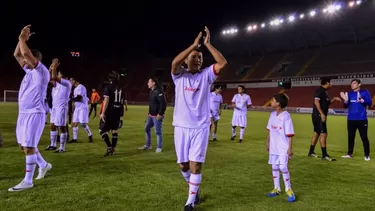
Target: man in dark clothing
pixel 111 111
pixel 157 107
pixel 357 101
pixel 319 118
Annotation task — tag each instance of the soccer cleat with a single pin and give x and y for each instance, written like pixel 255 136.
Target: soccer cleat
pixel 240 141
pixel 73 141
pixel 367 158
pixel 313 155
pixel 189 207
pixel 232 138
pixel 347 156
pixel 50 148
pixel 109 152
pixel 291 196
pixel 214 139
pixel 197 198
pixel 20 187
pixel 91 139
pixel 145 147
pixel 43 171
pixel 59 151
pixel 328 158
pixel 273 193
pixel 158 150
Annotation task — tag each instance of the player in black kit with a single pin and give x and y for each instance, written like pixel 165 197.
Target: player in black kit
pixel 111 112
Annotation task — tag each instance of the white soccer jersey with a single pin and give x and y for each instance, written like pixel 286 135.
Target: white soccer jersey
pixel 81 90
pixel 192 98
pixel 33 90
pixel 241 103
pixel 280 128
pixel 61 93
pixel 215 101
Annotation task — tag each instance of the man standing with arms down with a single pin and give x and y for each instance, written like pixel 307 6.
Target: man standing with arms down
pixel 215 109
pixel 319 118
pixel 31 109
pixel 157 107
pixel 357 101
pixel 191 117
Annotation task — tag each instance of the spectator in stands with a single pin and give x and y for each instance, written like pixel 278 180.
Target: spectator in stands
pixel 319 118
pixel 357 102
pixel 94 100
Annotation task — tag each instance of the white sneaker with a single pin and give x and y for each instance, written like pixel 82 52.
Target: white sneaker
pixel 367 158
pixel 347 156
pixel 20 187
pixel 158 150
pixel 144 147
pixel 43 171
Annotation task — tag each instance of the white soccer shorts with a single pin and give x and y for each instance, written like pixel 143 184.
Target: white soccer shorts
pixel 278 159
pixel 59 116
pixel 30 129
pixel 239 120
pixel 191 144
pixel 81 115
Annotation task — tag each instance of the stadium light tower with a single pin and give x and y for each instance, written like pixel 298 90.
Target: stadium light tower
pixel 359 2
pixel 263 25
pixel 312 13
pixel 291 18
pixel 302 16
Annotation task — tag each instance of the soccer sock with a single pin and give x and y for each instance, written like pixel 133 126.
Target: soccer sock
pixel 233 131
pixel 194 183
pixel 286 176
pixel 186 175
pixel 213 135
pixel 114 139
pixel 30 168
pixel 242 132
pixel 105 138
pixel 312 149
pixel 75 133
pixel 63 137
pixel 88 131
pixel 324 151
pixel 53 138
pixel 40 160
pixel 276 176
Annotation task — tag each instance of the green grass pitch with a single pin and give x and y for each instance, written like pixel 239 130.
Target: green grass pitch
pixel 235 176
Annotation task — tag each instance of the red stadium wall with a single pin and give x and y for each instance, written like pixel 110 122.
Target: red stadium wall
pixel 298 96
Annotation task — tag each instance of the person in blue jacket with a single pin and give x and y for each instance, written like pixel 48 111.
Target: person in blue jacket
pixel 357 102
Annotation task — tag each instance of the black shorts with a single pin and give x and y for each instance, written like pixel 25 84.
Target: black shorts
pixel 319 126
pixel 111 123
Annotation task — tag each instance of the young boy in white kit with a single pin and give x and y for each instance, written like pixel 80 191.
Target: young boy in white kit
pixel 279 145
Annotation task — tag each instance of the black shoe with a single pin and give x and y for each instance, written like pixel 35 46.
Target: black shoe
pixel 50 148
pixel 59 151
pixel 313 155
pixel 110 151
pixel 72 141
pixel 240 141
pixel 328 158
pixel 197 198
pixel 189 207
pixel 214 139
pixel 232 138
pixel 91 140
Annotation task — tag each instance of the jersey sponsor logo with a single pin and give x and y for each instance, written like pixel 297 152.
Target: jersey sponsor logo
pixel 276 127
pixel 191 89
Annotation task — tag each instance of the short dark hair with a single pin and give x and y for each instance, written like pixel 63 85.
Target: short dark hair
pixel 155 80
pixel 282 99
pixel 36 53
pixel 113 76
pixel 325 80
pixel 217 87
pixel 74 78
pixel 356 80
pixel 242 86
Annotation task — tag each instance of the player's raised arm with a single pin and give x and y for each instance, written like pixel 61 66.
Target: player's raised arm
pixel 221 62
pixel 24 49
pixel 53 69
pixel 18 56
pixel 180 58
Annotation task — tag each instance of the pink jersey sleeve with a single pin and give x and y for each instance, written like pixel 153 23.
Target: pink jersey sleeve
pixel 269 122
pixel 211 73
pixel 181 70
pixel 249 101
pixel 234 99
pixel 288 125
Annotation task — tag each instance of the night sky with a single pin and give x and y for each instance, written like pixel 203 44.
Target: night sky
pixel 134 29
